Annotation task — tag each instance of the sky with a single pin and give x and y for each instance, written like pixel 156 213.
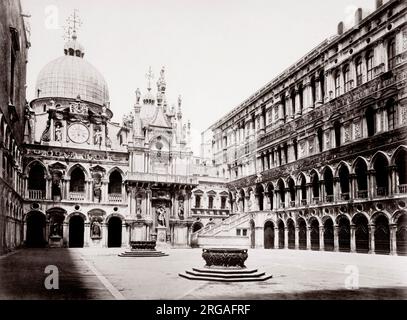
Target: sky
pixel 215 53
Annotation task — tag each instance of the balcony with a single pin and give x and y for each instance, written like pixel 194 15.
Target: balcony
pixel 330 198
pixel 381 191
pixel 362 194
pixel 115 197
pixel 210 212
pixel 77 196
pixel 345 196
pixel 161 178
pixel 403 188
pixel 36 194
pixel 315 200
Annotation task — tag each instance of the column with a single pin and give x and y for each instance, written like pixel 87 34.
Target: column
pixel 318 91
pixel 276 238
pixel 297 238
pixel 352 238
pixel 48 188
pixel 259 237
pixel 297 103
pixel 148 202
pixel 372 230
pixel 371 184
pixel 289 106
pixel 393 239
pixel 86 235
pixel 307 92
pixel 308 238
pixel 285 238
pixel 321 238
pixel 352 190
pixel 65 233
pixel 281 118
pixel 67 187
pixel 336 238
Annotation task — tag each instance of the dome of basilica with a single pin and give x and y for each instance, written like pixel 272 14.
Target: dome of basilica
pixel 71 76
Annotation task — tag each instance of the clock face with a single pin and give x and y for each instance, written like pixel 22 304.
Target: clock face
pixel 78 133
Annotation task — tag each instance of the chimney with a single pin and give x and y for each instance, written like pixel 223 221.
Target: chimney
pixel 379 3
pixel 358 16
pixel 340 28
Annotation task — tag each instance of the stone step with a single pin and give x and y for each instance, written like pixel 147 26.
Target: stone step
pixel 225 271
pixel 225 278
pixel 142 253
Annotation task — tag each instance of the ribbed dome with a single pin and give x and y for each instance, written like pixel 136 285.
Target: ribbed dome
pixel 70 76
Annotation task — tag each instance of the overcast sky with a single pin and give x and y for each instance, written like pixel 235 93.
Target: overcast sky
pixel 216 53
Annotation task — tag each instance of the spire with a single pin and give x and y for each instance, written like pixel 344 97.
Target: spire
pixel 161 86
pixel 149 98
pixel 179 114
pixel 72 46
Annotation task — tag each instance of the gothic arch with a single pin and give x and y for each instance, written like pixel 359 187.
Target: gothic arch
pixel 397 214
pixel 360 213
pixel 114 215
pixel 300 176
pixel 73 214
pixel 377 214
pixel 376 155
pixel 33 162
pixel 77 165
pixel 115 169
pixel 356 161
pixel 396 152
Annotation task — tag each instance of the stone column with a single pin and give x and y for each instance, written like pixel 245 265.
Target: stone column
pixel 308 238
pixel 259 234
pixel 393 239
pixel 148 202
pixel 321 238
pixel 285 238
pixel 67 187
pixel 65 233
pixel 281 117
pixel 298 110
pixel 371 184
pixel 276 238
pixel 337 189
pixel 352 238
pixel 352 190
pixel 297 238
pixel 86 236
pixel 289 106
pixel 336 238
pixel 318 91
pixel 372 230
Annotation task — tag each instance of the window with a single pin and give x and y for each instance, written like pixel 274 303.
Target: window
pixel 238 232
pixel 244 232
pixel 337 84
pixel 337 129
pixel 295 146
pixel 370 121
pixel 210 202
pixel 197 201
pixel 15 47
pixel 369 65
pixel 359 74
pixel 346 78
pixel 223 202
pixel 320 135
pixel 391 53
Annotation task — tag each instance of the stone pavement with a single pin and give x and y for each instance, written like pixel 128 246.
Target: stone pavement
pixel 100 274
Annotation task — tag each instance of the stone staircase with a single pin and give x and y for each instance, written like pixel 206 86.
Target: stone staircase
pixel 220 230
pixel 245 275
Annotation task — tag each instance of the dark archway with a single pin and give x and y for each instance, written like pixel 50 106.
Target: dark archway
pixel 269 235
pixel 281 237
pixel 370 121
pixel 361 178
pixel 115 183
pixel 36 182
pixel 77 183
pixel 292 191
pixel 35 237
pixel 344 182
pixel 76 232
pixel 329 184
pixel 303 187
pixel 315 186
pixel 344 234
pixel 260 196
pixel 291 234
pixel 328 235
pixel 314 234
pixel 197 226
pixel 361 233
pixel 401 165
pixel 401 235
pixel 382 235
pixel 114 232
pixel 270 193
pixel 281 192
pixel 302 234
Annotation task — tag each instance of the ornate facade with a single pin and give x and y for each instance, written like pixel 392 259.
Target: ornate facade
pixel 13 57
pixel 316 159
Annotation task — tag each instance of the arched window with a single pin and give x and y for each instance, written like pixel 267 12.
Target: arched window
pixel 329 184
pixel 36 182
pixel 337 84
pixel 292 96
pixel 361 178
pixel 281 192
pixel 283 102
pixel 77 181
pixel 322 83
pixel 401 165
pixel 359 72
pixel 381 174
pixel 313 91
pixel 295 146
pixel 346 78
pixel 344 182
pixel 115 183
pixel 370 65
pixel 337 130
pixel 370 121
pixel 303 187
pixel 197 201
pixel 391 52
pixel 210 202
pixel 315 186
pixel 301 94
pixel 260 196
pixel 270 192
pixel 291 188
pixel 320 135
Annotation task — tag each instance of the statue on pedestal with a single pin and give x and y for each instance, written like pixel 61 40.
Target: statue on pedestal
pixel 160 212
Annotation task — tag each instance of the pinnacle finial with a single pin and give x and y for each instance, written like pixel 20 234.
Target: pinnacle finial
pixel 73 23
pixel 149 76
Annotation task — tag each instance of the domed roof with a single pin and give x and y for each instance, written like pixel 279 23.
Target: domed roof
pixel 71 76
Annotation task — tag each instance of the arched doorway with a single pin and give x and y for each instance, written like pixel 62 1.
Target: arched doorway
pixel 281 238
pixel 361 233
pixel 114 232
pixel 302 234
pixel 291 234
pixel 328 235
pixel 197 226
pixel 401 235
pixel 382 235
pixel 252 235
pixel 344 234
pixel 35 237
pixel 314 234
pixel 76 232
pixel 269 235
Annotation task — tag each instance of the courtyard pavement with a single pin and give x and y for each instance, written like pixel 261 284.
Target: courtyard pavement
pixel 100 274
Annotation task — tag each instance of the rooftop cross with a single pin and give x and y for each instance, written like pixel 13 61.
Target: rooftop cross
pixel 73 22
pixel 149 76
